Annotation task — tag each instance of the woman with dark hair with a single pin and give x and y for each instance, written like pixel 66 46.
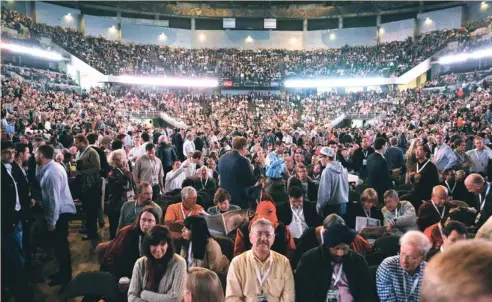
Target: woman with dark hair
pixel 200 249
pixel 122 253
pixel 203 285
pixel 160 274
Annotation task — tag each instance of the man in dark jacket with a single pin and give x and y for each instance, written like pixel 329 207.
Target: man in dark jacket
pixel 298 214
pixel 378 173
pixel 302 180
pixel 359 158
pixel 334 271
pixel 13 269
pixel 166 154
pixel 236 173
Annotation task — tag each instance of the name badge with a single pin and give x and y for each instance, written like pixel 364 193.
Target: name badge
pixel 155 181
pixel 333 296
pixel 262 298
pixel 364 162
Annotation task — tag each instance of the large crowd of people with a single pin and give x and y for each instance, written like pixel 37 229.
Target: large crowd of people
pixel 253 66
pixel 258 197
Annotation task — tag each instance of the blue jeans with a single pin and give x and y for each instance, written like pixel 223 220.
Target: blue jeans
pixel 13 271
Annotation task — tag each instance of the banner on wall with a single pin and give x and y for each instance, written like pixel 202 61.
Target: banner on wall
pixel 227 83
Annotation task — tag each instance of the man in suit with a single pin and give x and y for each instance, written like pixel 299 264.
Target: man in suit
pixel 21 158
pixel 378 173
pixel 236 173
pixel 394 156
pixel 297 214
pixel 477 185
pixel 13 267
pixel 359 158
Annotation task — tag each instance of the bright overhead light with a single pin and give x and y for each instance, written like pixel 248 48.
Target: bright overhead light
pixel 335 82
pixel 162 37
pixel 249 39
pixel 201 37
pixel 68 18
pixel 381 30
pixel 168 81
pixel 35 52
pixel 332 36
pixel 428 21
pixel 482 53
pixel 484 6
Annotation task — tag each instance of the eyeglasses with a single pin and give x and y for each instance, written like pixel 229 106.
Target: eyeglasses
pixel 267 234
pixel 411 258
pixel 148 220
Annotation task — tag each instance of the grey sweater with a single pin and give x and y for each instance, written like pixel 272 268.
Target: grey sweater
pixel 171 286
pixel 333 186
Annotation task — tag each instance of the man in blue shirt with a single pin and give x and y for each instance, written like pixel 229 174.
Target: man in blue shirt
pixel 399 278
pixel 58 209
pixel 275 167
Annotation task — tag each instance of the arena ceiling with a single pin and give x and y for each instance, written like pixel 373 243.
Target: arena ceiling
pixel 260 9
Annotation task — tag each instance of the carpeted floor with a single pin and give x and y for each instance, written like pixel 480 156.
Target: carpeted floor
pixel 83 259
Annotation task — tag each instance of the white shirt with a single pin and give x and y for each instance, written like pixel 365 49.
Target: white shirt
pixel 298 224
pixel 17 201
pixel 174 180
pixel 188 147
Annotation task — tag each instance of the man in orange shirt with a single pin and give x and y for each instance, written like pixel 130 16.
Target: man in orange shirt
pixel 177 213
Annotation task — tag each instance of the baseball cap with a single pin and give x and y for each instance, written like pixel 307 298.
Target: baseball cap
pixel 267 210
pixel 328 151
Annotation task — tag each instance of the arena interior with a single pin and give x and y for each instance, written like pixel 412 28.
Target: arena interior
pixel 246 151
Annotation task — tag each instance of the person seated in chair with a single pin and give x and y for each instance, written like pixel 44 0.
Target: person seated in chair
pixel 160 275
pixel 333 270
pixel 436 209
pixel 399 215
pixel 199 247
pixel 284 242
pixel 202 181
pixel 296 213
pixel 125 249
pixel 313 237
pixel 366 208
pixel 452 233
pixel 222 200
pixel 131 209
pixel 456 186
pixel 178 212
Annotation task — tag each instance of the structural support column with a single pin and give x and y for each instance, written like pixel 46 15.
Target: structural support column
pixel 82 24
pixel 193 33
pixel 304 33
pixel 340 22
pixel 118 26
pixel 33 11
pixel 379 32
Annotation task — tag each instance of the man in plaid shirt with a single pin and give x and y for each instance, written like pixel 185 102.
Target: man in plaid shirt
pixel 399 278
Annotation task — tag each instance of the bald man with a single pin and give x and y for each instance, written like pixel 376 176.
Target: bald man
pixel 436 209
pixel 477 185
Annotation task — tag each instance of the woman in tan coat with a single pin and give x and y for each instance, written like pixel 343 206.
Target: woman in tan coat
pixel 200 249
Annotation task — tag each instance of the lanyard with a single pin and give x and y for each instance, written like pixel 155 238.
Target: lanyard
pixel 414 286
pixel 440 230
pixel 182 211
pixel 81 154
pixel 478 157
pixel 365 153
pixel 321 235
pixel 482 203
pixel 437 209
pixel 396 212
pixel 338 276
pixel 204 185
pixel 297 218
pixel 189 259
pixel 368 213
pixel 154 164
pixel 418 170
pixel 261 279
pixel 449 188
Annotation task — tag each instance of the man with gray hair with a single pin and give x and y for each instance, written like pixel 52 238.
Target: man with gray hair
pixel 132 208
pixel 399 278
pixel 178 212
pixel 260 274
pixel 399 215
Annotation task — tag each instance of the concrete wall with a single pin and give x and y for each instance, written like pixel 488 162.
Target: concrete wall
pixel 145 34
pixel 475 11
pixel 248 39
pixel 439 20
pixel 96 26
pixel 23 7
pixel 396 31
pixel 338 38
pixel 55 15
